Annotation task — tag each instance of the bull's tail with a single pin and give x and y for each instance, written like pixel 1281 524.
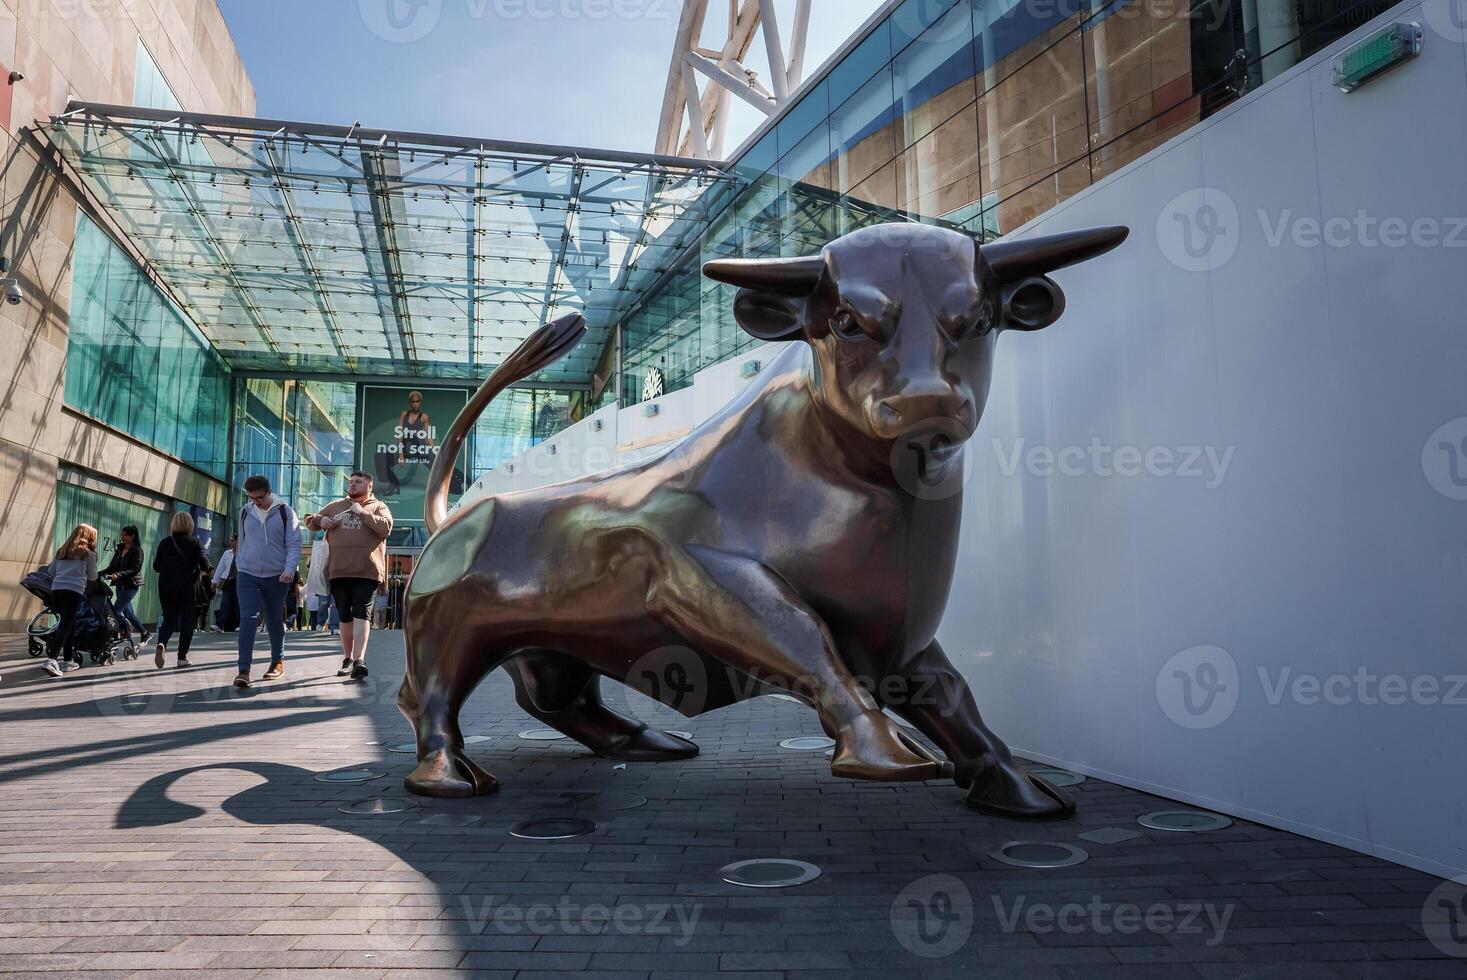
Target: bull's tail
pixel 540 350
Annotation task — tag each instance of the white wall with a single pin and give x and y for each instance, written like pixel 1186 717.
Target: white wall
pixel 1322 549
pixel 1311 544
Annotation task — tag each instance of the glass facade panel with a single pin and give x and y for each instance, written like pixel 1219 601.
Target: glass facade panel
pixel 862 134
pixel 1034 126
pixel 150 89
pixel 134 362
pixel 934 77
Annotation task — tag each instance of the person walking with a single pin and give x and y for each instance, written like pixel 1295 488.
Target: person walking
pixel 182 567
pixel 227 618
pixel 293 605
pixel 318 584
pixel 267 550
pixel 356 529
pixel 125 572
pixel 72 571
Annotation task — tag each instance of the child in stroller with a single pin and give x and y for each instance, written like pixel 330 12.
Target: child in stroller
pixel 100 632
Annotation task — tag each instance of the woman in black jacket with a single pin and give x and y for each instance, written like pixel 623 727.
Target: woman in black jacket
pixel 125 572
pixel 181 566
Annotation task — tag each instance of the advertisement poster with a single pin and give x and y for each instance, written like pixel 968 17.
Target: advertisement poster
pixel 399 430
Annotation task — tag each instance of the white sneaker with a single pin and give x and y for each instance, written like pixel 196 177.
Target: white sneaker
pixel 69 665
pixel 52 667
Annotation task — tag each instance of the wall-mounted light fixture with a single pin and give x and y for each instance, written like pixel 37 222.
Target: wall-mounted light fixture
pixel 10 284
pixel 750 368
pixel 650 409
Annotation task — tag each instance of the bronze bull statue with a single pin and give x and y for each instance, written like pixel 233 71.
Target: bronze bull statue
pixel 788 542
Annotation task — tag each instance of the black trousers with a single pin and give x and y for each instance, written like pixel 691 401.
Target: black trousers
pixel 178 617
pixel 65 605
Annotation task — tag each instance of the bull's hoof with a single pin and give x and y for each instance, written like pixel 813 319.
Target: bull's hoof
pixel 872 748
pixel 645 745
pixel 449 775
pixel 1006 790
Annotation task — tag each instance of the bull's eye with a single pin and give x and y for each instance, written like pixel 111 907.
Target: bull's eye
pixel 845 326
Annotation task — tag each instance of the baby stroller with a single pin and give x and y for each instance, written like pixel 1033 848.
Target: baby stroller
pixel 99 632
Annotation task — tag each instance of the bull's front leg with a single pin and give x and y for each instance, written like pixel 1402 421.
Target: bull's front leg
pixel 740 612
pixel 940 704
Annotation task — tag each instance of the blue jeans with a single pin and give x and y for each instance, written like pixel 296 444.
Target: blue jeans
pixel 260 596
pixel 125 595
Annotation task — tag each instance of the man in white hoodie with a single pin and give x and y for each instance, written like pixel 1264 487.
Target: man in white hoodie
pixel 268 551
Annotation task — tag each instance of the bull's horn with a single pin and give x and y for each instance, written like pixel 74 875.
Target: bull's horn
pixel 783 277
pixel 1016 260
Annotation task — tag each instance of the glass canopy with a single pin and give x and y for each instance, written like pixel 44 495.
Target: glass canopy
pixel 333 250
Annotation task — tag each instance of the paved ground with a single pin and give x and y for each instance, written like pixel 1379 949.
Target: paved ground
pixel 159 821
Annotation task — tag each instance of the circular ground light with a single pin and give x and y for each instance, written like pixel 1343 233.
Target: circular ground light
pixel 348 776
pixel 552 828
pixel 406 748
pixel 807 743
pixel 476 739
pixel 379 804
pixel 542 735
pixel 768 873
pixel 1038 854
pixel 1183 821
pixel 687 735
pixel 1058 777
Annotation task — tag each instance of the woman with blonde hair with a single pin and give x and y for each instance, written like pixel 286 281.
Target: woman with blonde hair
pixel 73 569
pixel 182 569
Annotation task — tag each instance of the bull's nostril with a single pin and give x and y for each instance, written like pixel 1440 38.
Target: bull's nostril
pixel 889 415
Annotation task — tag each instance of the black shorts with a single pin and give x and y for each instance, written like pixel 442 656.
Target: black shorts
pixel 353 597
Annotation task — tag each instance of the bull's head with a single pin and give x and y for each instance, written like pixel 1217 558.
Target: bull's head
pixel 903 318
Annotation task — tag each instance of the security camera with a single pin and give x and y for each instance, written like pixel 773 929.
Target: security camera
pixel 13 295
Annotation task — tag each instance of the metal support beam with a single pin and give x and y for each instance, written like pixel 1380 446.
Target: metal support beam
pixel 382 166
pixel 778 69
pixel 798 43
pixel 578 178
pixel 477 234
pixel 742 87
pixel 695 113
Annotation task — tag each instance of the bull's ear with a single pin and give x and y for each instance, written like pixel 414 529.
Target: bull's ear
pixel 769 317
pixel 771 300
pixel 1032 304
pixel 1031 300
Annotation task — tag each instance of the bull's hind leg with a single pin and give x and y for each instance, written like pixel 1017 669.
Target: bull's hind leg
pixel 443 668
pixel 565 694
pixel 943 709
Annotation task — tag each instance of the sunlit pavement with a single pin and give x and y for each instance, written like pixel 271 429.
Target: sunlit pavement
pixel 161 820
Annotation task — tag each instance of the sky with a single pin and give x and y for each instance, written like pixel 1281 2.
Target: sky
pixel 587 73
